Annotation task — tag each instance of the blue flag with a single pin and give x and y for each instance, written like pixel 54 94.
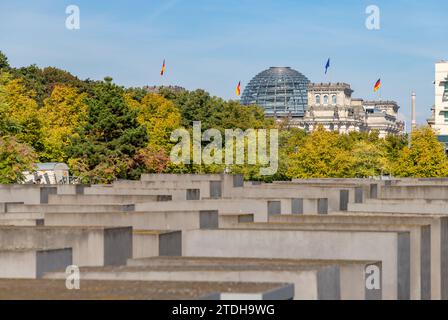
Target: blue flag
pixel 327 66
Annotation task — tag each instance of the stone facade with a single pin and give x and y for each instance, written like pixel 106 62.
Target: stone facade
pixel 331 105
pixel 439 118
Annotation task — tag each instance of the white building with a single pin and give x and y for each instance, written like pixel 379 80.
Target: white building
pixel 331 105
pixel 439 120
pixel 48 173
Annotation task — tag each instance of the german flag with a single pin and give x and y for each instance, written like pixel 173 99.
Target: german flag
pixel 377 85
pixel 238 89
pixel 162 72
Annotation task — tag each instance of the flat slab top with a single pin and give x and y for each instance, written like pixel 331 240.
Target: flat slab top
pixel 22 250
pixel 75 228
pixel 152 232
pixel 330 229
pixel 348 215
pixel 128 212
pixel 46 289
pixel 326 226
pixel 212 263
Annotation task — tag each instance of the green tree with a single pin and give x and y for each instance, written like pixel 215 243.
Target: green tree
pixel 368 159
pixel 4 64
pixel 425 157
pixel 15 158
pixel 104 148
pixel 214 112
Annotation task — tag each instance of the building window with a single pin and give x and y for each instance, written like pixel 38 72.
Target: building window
pixel 325 99
pixel 333 99
pixel 317 99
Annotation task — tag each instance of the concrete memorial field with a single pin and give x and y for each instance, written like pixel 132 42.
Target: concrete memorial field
pixel 216 236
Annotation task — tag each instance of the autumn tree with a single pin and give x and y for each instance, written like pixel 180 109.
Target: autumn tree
pixel 158 115
pixel 425 157
pixel 63 112
pixel 15 158
pixel 369 159
pixel 20 114
pixel 320 156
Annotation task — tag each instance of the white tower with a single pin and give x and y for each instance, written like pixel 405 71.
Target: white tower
pixel 413 114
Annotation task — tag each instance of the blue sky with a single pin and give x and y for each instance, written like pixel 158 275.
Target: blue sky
pixel 213 44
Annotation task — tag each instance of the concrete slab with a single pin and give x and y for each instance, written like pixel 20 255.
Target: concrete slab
pixel 258 207
pixel 418 265
pixel 414 192
pixel 47 289
pixel 153 243
pixel 322 280
pixel 418 206
pixel 176 194
pixel 33 263
pixel 433 250
pixel 44 208
pixel 391 248
pixel 156 220
pixel 91 246
pixel 106 199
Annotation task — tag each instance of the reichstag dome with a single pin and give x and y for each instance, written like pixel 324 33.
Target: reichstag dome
pixel 279 90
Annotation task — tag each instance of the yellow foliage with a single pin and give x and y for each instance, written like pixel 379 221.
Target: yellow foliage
pixel 62 113
pixel 159 116
pixel 20 108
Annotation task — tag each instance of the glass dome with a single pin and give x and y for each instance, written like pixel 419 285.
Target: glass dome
pixel 279 90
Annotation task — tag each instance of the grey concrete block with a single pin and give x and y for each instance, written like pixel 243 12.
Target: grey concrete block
pixel 444 258
pixel 373 191
pixel 117 246
pixel 425 265
pixel 215 189
pixel 52 260
pixel 297 206
pixel 403 266
pixel 274 207
pixel 243 218
pixel 170 244
pixel 343 200
pixel 322 206
pixel 45 192
pixel 163 197
pixel 358 195
pixel 193 194
pixel 208 219
pixel 328 283
pixel 238 180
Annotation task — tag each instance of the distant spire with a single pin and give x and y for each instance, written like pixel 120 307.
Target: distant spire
pixel 413 113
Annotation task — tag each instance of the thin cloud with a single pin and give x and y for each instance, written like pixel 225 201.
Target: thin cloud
pixel 163 9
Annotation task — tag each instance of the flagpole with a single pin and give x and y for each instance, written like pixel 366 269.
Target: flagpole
pixel 163 74
pixel 379 92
